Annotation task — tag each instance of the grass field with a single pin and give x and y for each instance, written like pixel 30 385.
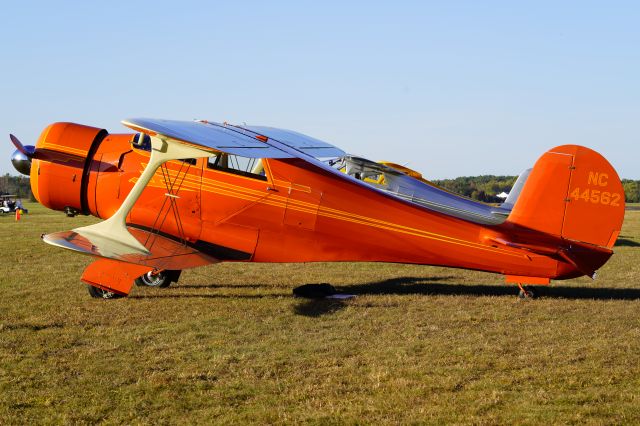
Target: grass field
pixel 229 344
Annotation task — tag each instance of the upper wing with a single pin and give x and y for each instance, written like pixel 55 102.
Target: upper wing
pixel 246 141
pixel 205 135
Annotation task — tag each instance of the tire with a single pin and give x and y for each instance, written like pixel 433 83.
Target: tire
pixel 99 293
pixel 527 294
pixel 162 279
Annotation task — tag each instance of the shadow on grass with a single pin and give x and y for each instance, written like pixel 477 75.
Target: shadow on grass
pixel 204 296
pixel 626 242
pixel 239 286
pixel 426 286
pixel 29 326
pixel 318 307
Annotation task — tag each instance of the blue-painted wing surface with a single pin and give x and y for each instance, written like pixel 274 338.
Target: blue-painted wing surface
pixel 216 137
pixel 246 141
pixel 307 144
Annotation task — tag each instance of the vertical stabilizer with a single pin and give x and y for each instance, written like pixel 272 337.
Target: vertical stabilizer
pixel 574 193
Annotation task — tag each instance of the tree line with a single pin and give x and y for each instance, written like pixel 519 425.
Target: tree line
pixel 16 185
pixel 481 188
pixel 485 188
pixel 631 190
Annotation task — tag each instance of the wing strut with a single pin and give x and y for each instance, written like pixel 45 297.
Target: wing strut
pixel 173 187
pixel 113 231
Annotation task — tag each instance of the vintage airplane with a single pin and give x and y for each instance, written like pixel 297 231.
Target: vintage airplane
pixel 182 194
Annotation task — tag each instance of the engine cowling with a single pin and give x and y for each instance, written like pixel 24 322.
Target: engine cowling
pixel 60 168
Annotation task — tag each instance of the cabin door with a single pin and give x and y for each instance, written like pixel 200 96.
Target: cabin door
pixel 302 207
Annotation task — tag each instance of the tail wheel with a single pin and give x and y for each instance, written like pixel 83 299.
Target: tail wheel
pixel 526 293
pixel 99 293
pixel 160 279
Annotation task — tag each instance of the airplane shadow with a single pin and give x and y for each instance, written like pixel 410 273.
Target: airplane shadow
pixel 626 242
pixel 427 287
pixel 317 307
pixel 415 285
pixel 204 296
pixel 238 286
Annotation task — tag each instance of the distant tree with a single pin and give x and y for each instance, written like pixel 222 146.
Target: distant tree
pixel 631 190
pixel 485 188
pixel 18 185
pixel 481 188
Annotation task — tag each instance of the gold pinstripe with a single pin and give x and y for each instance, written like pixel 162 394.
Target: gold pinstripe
pixel 63 148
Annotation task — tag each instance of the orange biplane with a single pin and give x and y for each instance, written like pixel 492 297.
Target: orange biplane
pixel 181 194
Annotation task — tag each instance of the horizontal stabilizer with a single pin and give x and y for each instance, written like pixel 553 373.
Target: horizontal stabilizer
pixel 164 253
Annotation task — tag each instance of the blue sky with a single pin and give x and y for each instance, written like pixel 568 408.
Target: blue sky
pixel 450 88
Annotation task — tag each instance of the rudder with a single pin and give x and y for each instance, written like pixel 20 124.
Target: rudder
pixel 572 192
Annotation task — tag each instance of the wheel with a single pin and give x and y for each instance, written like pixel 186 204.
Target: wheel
pixel 526 293
pixel 99 293
pixel 162 279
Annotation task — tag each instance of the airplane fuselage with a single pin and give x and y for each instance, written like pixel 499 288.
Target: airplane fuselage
pixel 291 211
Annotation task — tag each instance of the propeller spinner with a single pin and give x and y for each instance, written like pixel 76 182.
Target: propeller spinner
pixel 21 157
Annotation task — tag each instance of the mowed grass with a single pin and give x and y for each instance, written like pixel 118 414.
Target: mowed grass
pixel 229 343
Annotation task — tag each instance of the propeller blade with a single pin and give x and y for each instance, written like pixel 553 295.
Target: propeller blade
pixel 28 151
pixel 20 147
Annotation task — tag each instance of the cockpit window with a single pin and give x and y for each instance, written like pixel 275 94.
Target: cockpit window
pixel 191 161
pixel 243 166
pixel 410 186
